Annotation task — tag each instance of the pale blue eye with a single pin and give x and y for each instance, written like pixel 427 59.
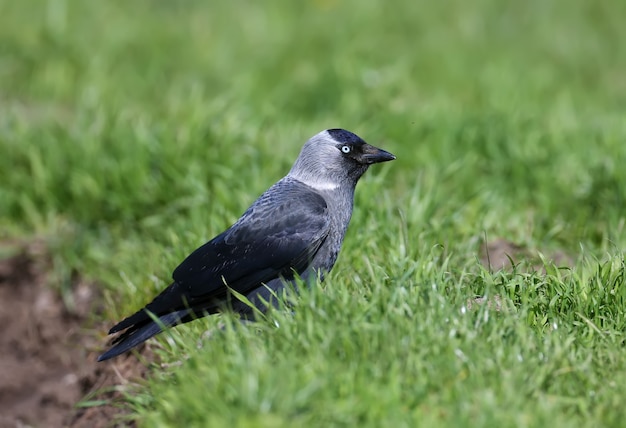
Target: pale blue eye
pixel 345 149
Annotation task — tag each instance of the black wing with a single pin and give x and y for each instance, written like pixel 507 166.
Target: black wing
pixel 277 236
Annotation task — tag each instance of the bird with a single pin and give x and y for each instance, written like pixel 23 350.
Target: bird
pixel 293 230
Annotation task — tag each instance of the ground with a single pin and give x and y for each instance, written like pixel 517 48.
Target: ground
pixel 50 376
pixel 48 352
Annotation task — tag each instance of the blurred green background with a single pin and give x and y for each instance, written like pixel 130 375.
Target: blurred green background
pixel 132 132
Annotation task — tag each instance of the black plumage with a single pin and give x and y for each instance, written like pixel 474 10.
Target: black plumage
pixel 295 228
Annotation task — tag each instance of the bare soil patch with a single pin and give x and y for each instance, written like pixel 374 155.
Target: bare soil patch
pixel 502 254
pixel 48 352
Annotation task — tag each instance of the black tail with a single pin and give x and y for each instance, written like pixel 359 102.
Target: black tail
pixel 143 331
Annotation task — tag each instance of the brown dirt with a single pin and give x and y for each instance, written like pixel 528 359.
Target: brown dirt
pixel 501 254
pixel 48 352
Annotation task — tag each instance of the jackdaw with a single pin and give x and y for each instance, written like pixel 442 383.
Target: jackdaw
pixel 295 228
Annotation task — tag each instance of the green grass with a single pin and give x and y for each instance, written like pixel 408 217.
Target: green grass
pixel 132 132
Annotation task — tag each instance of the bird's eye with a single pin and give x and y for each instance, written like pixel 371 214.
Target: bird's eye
pixel 345 149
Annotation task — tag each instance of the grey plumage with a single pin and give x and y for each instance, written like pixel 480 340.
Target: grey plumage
pixel 295 228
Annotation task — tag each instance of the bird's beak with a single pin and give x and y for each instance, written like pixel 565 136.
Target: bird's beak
pixel 373 154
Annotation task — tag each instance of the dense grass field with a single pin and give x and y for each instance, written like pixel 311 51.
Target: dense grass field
pixel 132 132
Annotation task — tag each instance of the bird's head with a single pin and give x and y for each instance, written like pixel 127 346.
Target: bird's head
pixel 335 158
